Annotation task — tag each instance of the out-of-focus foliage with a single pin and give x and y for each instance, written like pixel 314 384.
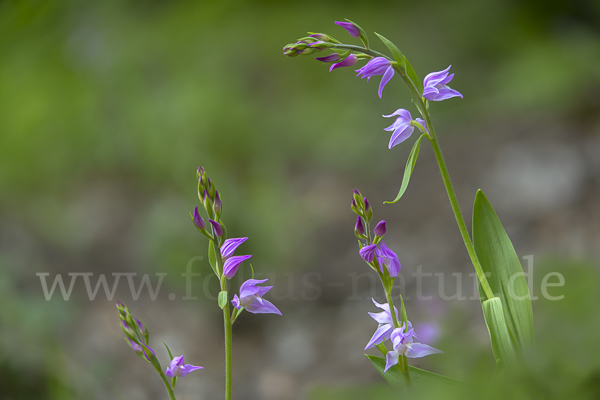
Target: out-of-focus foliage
pixel 108 107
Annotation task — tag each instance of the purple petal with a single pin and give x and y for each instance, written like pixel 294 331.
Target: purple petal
pixel 421 350
pixel 402 114
pixel 261 306
pixel 232 264
pixel 176 362
pixel 217 227
pixel 446 80
pixel 400 135
pixel 389 74
pixel 330 58
pixel 198 221
pixel 368 252
pixel 236 302
pixel 186 369
pixel 375 66
pixel 347 62
pixel 169 373
pixel 380 229
pixel 383 317
pixel 391 359
pixel 445 93
pixel 382 332
pixel 351 28
pixel 230 245
pixel 430 92
pixel 434 78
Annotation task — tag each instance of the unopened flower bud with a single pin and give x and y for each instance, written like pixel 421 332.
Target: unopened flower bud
pixel 199 173
pixel 355 208
pixel 211 190
pixel 352 29
pixel 380 229
pixel 359 228
pixel 218 229
pixel 329 59
pixel 198 221
pixel 320 36
pixel 217 205
pixel 128 330
pixel 358 198
pixel 206 200
pixel 368 210
pixel 122 309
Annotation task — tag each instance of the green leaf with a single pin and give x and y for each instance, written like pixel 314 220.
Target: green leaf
pixel 412 75
pixel 403 316
pixel 502 346
pixel 410 166
pixel 420 378
pixel 222 299
pixel 507 280
pixel 396 53
pixel 212 257
pixel 168 350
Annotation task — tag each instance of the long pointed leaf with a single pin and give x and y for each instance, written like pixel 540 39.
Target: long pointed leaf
pixel 498 257
pixel 408 170
pixel 502 346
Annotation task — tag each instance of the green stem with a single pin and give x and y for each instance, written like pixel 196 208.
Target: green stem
pixel 359 49
pixel 228 366
pixel 462 226
pixel 166 382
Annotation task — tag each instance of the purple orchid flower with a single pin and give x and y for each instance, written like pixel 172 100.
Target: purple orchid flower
pixel 377 66
pixel 389 259
pixel 402 127
pixel 368 252
pixel 177 368
pixel 229 247
pixel 251 298
pixel 346 62
pixel 232 264
pixel 403 344
pixel 350 27
pixel 436 86
pixel 386 324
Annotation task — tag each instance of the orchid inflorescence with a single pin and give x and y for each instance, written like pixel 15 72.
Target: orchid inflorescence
pixel 509 320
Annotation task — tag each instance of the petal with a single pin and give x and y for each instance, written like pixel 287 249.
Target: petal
pixel 330 58
pixel 368 252
pixel 375 66
pixel 262 307
pixel 445 93
pixel 186 369
pixel 391 359
pixel 430 92
pixel 236 302
pixel 232 264
pixel 230 245
pixel 347 62
pixel 421 350
pixel 446 80
pixel 434 78
pixel 401 135
pixel 402 113
pixel 351 28
pixel 383 317
pixel 249 288
pixel 169 373
pixel 381 333
pixel 389 74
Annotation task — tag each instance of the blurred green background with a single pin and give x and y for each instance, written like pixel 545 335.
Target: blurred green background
pixel 107 108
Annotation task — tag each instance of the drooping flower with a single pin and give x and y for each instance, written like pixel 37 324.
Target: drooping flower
pixel 178 368
pixel 377 66
pixel 436 86
pixel 232 264
pixel 229 247
pixel 251 298
pixel 346 62
pixel 368 252
pixel 380 229
pixel 350 27
pixel 386 324
pixel 389 259
pixel 402 127
pixel 403 344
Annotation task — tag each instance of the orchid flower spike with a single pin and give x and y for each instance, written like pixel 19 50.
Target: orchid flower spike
pixel 251 298
pixel 402 342
pixel 377 66
pixel 436 86
pixel 177 368
pixel 402 127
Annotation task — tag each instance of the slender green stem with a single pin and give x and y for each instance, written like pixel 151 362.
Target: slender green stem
pixel 360 50
pixel 449 188
pixel 166 382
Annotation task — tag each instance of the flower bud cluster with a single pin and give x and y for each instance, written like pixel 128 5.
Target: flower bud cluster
pixel 309 45
pixel 136 333
pixel 210 199
pixel 361 207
